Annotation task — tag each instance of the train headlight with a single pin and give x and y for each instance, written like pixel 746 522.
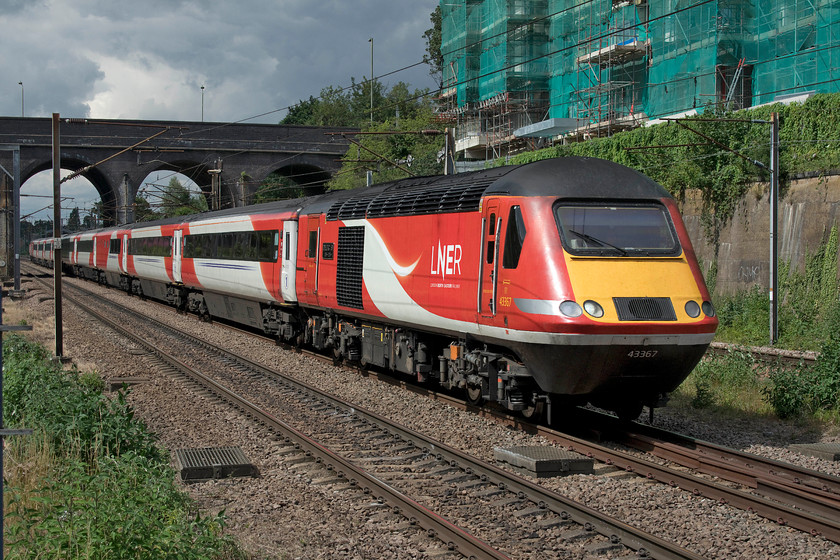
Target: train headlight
pixel 593 308
pixel 708 309
pixel 570 309
pixel 692 309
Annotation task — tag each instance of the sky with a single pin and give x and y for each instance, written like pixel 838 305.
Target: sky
pixel 147 59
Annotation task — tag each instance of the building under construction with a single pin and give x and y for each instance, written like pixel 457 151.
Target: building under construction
pixel 522 73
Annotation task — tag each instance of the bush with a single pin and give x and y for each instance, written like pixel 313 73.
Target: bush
pixel 91 483
pixel 721 379
pixel 809 389
pixel 68 405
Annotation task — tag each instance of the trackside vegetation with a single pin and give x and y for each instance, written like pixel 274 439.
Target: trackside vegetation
pixel 91 481
pixel 809 318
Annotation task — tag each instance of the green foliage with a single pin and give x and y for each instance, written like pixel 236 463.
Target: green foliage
pixel 418 153
pixel 106 489
pixel 143 211
pixel 721 379
pixel 69 406
pixel 816 388
pixel 74 222
pixel 125 508
pixel 350 107
pixel 808 300
pixel 434 37
pixel 178 201
pixel 277 187
pixel 744 317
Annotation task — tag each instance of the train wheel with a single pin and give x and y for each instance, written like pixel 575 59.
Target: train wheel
pixel 628 412
pixel 535 412
pixel 474 395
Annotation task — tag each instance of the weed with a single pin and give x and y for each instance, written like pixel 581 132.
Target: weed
pixel 91 483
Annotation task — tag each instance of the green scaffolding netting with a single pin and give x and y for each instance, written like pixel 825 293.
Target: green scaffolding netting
pixel 607 59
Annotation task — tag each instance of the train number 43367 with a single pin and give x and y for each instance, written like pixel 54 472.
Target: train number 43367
pixel 642 353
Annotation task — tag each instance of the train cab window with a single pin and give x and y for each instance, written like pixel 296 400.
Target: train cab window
pixel 514 238
pixel 620 229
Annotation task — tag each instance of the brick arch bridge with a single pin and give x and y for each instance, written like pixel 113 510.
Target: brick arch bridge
pixel 127 151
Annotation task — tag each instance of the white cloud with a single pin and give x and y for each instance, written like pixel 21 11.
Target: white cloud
pixel 143 86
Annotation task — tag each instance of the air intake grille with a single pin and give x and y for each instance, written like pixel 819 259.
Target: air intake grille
pixel 422 195
pixel 351 255
pixel 645 309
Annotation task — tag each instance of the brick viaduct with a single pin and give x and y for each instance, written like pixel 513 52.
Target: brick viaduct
pixel 128 150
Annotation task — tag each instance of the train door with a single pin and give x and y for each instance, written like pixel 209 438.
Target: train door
pixel 491 222
pixel 310 255
pixel 93 261
pixel 124 248
pixel 288 270
pixel 177 244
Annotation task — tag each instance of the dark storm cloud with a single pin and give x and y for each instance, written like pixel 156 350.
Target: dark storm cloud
pixel 147 60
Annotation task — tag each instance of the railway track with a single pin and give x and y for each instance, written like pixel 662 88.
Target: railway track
pixel 787 494
pixel 516 517
pixel 805 500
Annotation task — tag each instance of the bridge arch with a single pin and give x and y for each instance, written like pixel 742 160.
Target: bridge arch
pixel 100 181
pixel 129 150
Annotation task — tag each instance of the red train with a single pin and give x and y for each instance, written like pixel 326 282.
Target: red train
pixel 552 283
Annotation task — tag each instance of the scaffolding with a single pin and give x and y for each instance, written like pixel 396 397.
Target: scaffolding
pixel 495 72
pixel 571 71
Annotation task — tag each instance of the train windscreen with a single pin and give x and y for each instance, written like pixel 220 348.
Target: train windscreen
pixel 616 229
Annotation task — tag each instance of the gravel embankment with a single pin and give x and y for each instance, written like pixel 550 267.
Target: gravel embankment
pixel 283 514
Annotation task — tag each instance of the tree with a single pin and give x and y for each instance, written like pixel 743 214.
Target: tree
pixel 88 222
pixel 277 187
pixel 434 38
pixel 302 113
pixel 418 153
pixel 73 221
pixel 143 211
pixel 333 108
pixel 177 200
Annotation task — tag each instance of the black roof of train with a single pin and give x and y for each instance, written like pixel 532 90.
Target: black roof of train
pixel 567 177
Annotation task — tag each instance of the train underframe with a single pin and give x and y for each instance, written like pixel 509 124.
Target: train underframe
pixel 482 372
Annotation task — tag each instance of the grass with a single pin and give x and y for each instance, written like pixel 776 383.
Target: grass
pixel 91 481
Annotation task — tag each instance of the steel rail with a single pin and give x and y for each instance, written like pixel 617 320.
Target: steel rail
pixel 810 522
pixel 591 519
pixel 818 516
pixel 781 513
pixel 805 488
pixel 646 544
pixel 455 537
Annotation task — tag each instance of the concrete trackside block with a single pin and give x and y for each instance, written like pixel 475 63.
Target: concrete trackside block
pixel 543 461
pixel 827 451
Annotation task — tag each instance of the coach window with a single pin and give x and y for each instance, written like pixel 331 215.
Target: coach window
pixel 514 238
